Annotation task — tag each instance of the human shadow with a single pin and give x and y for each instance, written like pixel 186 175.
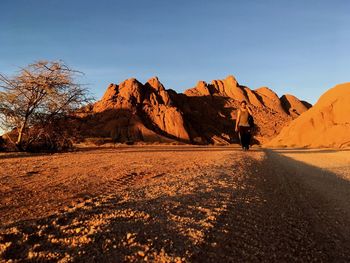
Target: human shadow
pixel 281 210
pixel 287 211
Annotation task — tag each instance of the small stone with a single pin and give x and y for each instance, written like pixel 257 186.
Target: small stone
pixel 30 254
pixel 141 253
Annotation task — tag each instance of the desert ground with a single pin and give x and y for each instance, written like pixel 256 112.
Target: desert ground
pixel 176 204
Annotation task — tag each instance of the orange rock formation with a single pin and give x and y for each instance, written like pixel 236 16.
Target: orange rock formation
pixel 132 111
pixel 326 124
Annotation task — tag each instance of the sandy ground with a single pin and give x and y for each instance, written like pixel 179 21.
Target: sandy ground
pixel 332 160
pixel 175 203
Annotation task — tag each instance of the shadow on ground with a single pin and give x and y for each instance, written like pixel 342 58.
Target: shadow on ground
pixel 280 216
pixel 308 150
pixel 272 213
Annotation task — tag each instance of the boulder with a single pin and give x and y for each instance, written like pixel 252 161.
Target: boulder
pixel 326 124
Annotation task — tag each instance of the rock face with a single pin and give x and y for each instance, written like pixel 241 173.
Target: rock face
pixel 293 105
pixel 327 124
pixel 132 111
pixel 270 99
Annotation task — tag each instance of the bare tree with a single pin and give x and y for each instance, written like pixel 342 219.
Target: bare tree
pixel 39 94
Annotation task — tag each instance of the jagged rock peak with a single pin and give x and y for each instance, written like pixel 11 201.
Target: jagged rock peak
pixel 201 89
pixel 231 81
pixel 134 111
pixel 267 92
pixel 129 82
pixel 156 84
pixel 201 83
pixel 111 91
pixel 293 105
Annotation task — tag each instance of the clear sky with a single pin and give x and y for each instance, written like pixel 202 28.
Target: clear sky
pixel 299 47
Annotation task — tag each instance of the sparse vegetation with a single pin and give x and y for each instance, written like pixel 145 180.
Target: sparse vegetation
pixel 34 102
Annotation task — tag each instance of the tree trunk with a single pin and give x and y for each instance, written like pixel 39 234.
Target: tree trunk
pixel 20 136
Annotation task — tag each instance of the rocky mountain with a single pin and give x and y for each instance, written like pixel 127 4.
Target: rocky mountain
pixel 293 105
pixel 132 111
pixel 327 124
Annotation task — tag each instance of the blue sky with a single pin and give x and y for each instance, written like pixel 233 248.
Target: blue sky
pixel 297 47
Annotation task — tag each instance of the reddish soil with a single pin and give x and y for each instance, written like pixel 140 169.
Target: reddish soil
pixel 173 204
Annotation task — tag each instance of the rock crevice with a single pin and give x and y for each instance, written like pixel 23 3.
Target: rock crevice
pixel 132 111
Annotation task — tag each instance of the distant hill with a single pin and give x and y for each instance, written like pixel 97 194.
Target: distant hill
pixel 326 124
pixel 132 111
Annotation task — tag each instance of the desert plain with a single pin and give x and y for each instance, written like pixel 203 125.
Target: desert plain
pixel 176 203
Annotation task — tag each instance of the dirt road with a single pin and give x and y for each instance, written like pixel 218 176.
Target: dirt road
pixel 173 203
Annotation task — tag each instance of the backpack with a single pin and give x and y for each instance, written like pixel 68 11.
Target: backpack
pixel 251 121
